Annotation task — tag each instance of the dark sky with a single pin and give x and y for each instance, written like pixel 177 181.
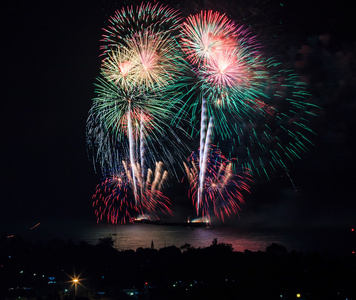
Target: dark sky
pixel 49 63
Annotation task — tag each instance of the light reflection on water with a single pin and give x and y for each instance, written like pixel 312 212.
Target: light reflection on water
pixel 330 240
pixel 141 235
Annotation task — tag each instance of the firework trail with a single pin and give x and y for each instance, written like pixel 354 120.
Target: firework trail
pixel 131 152
pixel 209 41
pixel 115 117
pixel 205 140
pixel 222 190
pixel 201 149
pixel 142 145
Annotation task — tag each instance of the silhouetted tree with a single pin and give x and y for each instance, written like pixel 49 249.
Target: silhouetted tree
pixel 276 250
pixel 106 242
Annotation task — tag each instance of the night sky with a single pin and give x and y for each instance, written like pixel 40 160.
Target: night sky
pixel 50 59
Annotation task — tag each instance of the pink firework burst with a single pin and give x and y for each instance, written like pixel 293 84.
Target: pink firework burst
pixel 223 69
pixel 205 34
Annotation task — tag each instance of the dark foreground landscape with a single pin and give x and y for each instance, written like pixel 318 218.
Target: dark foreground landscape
pixel 47 271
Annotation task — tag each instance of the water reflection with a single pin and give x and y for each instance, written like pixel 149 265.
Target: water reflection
pixel 141 235
pixel 332 240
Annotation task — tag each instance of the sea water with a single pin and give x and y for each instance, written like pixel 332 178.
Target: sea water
pixel 133 236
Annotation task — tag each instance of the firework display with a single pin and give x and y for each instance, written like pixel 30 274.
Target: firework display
pixel 141 82
pixel 223 56
pixel 163 76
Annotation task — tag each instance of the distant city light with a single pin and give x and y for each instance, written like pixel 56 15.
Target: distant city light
pixel 51 279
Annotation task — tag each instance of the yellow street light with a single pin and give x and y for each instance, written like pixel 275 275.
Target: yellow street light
pixel 75 282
